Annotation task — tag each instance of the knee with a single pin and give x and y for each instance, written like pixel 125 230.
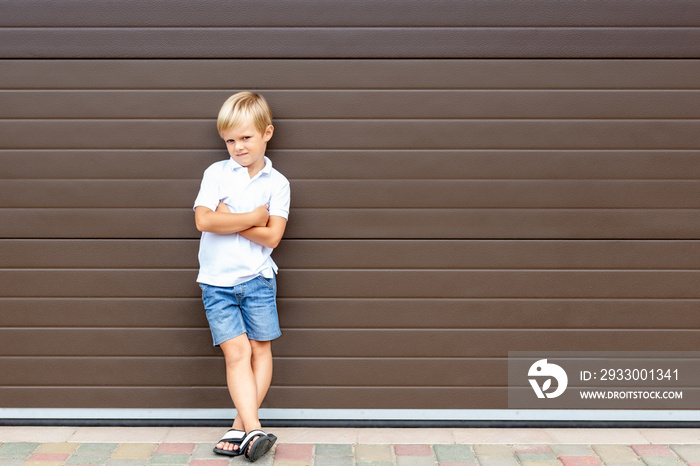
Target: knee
pixel 260 349
pixel 236 351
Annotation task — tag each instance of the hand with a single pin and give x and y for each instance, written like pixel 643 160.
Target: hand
pixel 261 215
pixel 223 208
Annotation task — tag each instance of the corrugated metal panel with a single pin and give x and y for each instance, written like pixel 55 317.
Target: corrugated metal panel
pixel 445 211
pixel 356 29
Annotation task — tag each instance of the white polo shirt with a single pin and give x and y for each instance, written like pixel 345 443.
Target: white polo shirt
pixel 228 260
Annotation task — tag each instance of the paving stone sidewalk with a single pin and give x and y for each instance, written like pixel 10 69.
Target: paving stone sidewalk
pixel 346 454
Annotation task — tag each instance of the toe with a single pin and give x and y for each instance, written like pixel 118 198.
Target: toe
pixel 252 442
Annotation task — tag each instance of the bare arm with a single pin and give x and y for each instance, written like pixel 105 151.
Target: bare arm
pixel 268 235
pixel 224 222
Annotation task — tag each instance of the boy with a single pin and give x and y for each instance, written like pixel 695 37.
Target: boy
pixel 242 210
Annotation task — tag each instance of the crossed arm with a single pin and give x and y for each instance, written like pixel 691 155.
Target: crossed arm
pixel 258 226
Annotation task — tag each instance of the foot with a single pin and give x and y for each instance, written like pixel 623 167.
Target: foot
pixel 256 444
pixel 230 443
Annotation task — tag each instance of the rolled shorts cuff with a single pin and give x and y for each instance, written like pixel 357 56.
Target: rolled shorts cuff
pixel 264 338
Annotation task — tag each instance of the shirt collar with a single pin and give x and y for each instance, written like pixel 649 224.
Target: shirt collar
pixel 267 169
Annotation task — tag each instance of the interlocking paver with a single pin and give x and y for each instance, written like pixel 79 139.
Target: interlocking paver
pixel 492 450
pixel 57 448
pixel 87 460
pixel 333 449
pixel 43 463
pixel 412 450
pixel 334 461
pixel 175 448
pixel 291 463
pixel 15 450
pixel 209 463
pixel 579 460
pixel 663 461
pixel 571 450
pixel 449 463
pixel 690 453
pixel 133 451
pixel 415 461
pixel 204 451
pixel 652 450
pixel 541 463
pixel 49 457
pixel 373 453
pixel 636 463
pixel 126 463
pixel 11 462
pixel 95 449
pixel 615 453
pixel 454 454
pixel 169 459
pixel 536 457
pixel 294 452
pixel 497 461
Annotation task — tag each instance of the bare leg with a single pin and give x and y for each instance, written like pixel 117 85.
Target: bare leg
pixel 241 384
pixel 261 362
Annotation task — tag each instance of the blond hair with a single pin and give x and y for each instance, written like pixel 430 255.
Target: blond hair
pixel 242 108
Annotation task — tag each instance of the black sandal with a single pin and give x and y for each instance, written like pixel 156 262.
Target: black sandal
pixel 256 443
pixel 235 437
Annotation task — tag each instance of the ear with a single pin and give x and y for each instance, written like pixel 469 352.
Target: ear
pixel 267 135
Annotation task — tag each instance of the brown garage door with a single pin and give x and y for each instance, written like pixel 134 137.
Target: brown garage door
pixel 459 191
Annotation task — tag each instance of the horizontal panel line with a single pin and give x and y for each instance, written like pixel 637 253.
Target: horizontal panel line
pixel 302 358
pixel 394 149
pixel 353 90
pixel 373 329
pixel 360 240
pixel 359 28
pixel 223 387
pixel 504 269
pixel 372 120
pixel 330 150
pixel 391 209
pixel 430 299
pixel 138 180
pixel 93 269
pixel 359 269
pixel 363 329
pixel 393 119
pixel 113 387
pixel 678 357
pixel 444 209
pixel 326 387
pixel 402 180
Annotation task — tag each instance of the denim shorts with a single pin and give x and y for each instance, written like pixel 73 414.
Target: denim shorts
pixel 246 308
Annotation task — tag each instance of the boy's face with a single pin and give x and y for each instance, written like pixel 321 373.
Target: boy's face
pixel 246 145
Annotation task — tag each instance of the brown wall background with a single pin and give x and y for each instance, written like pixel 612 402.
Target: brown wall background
pixel 468 178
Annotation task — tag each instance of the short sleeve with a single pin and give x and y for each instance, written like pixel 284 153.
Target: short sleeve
pixel 208 195
pixel 279 198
